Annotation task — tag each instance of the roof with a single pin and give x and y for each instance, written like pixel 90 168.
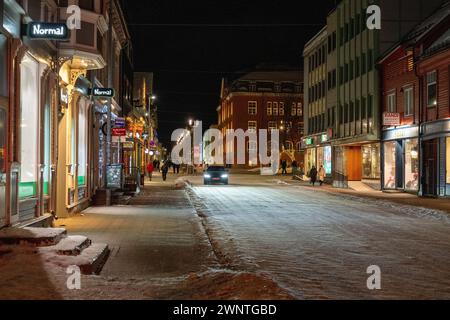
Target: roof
pixel 278 76
pixel 441 43
pixel 429 23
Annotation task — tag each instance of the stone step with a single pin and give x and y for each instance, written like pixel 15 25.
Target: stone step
pixel 70 246
pixel 90 261
pixel 37 237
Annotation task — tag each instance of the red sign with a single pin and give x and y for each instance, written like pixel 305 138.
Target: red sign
pixel 119 132
pixel 391 119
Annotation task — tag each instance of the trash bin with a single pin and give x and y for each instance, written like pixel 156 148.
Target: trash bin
pixel 142 179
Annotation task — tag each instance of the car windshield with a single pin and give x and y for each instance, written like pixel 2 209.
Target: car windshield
pixel 216 169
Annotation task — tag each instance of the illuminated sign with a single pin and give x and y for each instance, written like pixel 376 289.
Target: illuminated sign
pixel 119 132
pixel 103 92
pixel 47 31
pixel 309 141
pixel 391 119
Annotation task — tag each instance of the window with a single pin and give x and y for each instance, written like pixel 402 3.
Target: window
pixel 294 109
pixel 346 73
pixel 363 63
pixel 408 101
pixel 269 108
pixel 252 126
pixel 370 60
pixel 301 129
pixel 358 24
pixel 29 91
pixel 412 164
pixel 300 109
pixel 2 143
pixel 252 108
pixel 357 67
pixel 432 89
pixel 334 40
pixel 341 36
pixel 275 108
pixel 272 125
pixel 281 109
pixel 391 103
pixel 289 146
pixel 351 70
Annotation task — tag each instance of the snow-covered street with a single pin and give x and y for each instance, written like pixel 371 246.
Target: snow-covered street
pixel 319 245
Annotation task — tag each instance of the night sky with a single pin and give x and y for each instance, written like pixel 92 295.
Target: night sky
pixel 191 45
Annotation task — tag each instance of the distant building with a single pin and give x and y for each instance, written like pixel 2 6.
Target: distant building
pixel 265 99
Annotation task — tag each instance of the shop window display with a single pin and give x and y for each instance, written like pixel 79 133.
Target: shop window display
pixel 412 164
pixel 390 164
pixel 371 161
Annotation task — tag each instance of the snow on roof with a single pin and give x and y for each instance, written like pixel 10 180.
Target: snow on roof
pixel 424 27
pixel 288 75
pixel 442 42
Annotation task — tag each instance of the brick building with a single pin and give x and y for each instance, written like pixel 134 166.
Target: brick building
pixel 419 62
pixel 265 100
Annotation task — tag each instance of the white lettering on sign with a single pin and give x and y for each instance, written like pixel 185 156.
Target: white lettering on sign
pixel 38 31
pixel 103 92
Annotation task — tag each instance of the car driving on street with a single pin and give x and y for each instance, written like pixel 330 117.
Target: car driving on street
pixel 216 175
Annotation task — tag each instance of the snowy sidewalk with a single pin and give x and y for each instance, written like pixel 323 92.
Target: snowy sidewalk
pixel 159 250
pixel 395 197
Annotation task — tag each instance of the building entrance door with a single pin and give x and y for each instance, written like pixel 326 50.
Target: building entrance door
pixel 430 167
pixel 354 163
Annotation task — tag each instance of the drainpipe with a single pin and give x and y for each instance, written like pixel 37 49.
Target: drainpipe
pixel 421 175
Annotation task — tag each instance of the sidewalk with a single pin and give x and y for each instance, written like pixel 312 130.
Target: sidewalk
pixel 395 197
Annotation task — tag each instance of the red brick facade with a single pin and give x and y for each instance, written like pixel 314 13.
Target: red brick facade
pixel 269 104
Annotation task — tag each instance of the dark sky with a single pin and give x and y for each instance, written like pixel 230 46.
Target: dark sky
pixel 191 45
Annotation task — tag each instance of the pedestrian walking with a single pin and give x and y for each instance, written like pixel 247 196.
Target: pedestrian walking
pixel 294 167
pixel 313 176
pixel 284 167
pixel 322 175
pixel 165 170
pixel 150 169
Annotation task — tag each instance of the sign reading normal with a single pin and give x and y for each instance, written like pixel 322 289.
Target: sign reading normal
pixel 47 31
pixel 103 92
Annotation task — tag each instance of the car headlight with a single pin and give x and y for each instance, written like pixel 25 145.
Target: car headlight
pixel 224 176
pixel 207 176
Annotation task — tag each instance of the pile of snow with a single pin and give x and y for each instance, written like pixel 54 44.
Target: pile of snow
pixel 182 183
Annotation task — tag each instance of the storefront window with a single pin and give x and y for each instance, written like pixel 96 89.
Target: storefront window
pixel 47 146
pixel 2 143
pixel 3 70
pixel 412 164
pixel 29 97
pixel 82 142
pixel 327 159
pixel 310 159
pixel 371 161
pixel 390 164
pixel 448 160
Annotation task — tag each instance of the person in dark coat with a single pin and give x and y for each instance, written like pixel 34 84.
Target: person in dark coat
pixel 313 176
pixel 284 167
pixel 165 170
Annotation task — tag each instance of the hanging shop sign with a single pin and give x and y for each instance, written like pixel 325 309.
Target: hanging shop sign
pixel 119 132
pixel 102 92
pixel 47 31
pixel 119 123
pixel 391 119
pixel 128 146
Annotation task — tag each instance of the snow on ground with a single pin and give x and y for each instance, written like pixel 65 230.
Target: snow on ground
pixel 318 245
